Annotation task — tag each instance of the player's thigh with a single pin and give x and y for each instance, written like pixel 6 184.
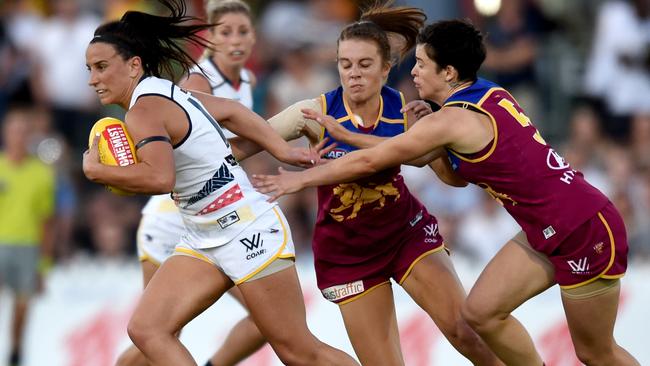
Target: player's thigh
pixel 435 287
pixel 591 314
pixel 371 325
pixel 148 270
pixel 235 292
pixel 181 289
pixel 514 275
pixel 276 304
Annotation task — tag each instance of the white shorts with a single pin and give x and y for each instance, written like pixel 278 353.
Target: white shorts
pixel 158 235
pixel 250 252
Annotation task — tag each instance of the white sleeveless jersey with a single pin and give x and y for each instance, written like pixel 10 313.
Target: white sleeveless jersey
pixel 221 87
pixel 212 192
pixel 162 206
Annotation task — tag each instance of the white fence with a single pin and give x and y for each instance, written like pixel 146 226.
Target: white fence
pixel 81 320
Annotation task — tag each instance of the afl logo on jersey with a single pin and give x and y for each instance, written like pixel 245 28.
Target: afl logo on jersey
pixel 555 161
pixel 335 154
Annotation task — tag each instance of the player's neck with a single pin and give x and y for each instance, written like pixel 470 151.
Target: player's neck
pixel 454 86
pixel 366 109
pixel 230 72
pixel 16 156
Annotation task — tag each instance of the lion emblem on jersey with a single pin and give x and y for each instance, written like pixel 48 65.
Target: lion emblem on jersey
pixel 355 196
pixel 498 196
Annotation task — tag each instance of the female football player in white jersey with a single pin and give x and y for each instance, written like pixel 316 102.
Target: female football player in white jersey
pixel 232 235
pixel 221 73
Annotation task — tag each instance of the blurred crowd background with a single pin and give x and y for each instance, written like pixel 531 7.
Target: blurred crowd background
pixel 580 69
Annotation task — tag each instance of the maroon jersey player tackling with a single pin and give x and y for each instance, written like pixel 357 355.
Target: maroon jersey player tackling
pixel 572 234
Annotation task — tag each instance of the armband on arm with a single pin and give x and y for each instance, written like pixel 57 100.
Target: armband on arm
pixel 290 122
pixel 149 139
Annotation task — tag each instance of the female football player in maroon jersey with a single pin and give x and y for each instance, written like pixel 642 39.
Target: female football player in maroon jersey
pixel 571 235
pixel 373 229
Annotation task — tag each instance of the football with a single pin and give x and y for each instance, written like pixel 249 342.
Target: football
pixel 115 145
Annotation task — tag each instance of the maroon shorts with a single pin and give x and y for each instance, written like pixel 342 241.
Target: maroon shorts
pixel 344 283
pixel 596 249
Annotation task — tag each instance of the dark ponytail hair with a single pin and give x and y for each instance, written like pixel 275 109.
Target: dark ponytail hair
pixel 155 38
pixel 379 20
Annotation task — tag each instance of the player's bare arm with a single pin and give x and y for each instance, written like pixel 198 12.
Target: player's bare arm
pixel 197 82
pixel 290 125
pixel 429 133
pixel 154 173
pixel 245 123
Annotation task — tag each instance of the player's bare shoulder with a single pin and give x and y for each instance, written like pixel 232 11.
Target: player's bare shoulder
pixel 466 130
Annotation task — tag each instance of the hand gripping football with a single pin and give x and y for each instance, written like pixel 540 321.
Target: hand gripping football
pixel 115 145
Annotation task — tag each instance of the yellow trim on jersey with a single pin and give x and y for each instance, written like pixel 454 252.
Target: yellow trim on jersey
pixel 323 104
pixel 494 127
pixel 394 120
pixel 194 254
pixel 611 259
pixel 354 120
pixel 276 256
pixel 361 294
pixel 408 271
pixel 489 92
pixel 343 119
pixel 404 115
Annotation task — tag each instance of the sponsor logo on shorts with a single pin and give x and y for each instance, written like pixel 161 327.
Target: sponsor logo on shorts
pixel 548 232
pixel 599 248
pixel 579 267
pixel 339 292
pixel 416 219
pixel 430 233
pixel 254 245
pixel 228 219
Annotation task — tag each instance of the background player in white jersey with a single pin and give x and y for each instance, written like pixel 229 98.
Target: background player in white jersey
pixel 232 235
pixel 221 73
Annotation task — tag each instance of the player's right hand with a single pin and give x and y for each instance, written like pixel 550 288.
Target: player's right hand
pixel 419 108
pixel 285 182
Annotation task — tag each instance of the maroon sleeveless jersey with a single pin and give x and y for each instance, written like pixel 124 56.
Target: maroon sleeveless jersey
pixel 531 180
pixel 362 220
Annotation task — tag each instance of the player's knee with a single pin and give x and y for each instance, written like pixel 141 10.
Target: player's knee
pixel 295 353
pixel 477 315
pixel 296 357
pixel 595 356
pixel 131 357
pixel 461 335
pixel 140 331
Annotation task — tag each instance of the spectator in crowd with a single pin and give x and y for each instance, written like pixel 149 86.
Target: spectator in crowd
pixel 488 217
pixel 59 49
pixel 17 27
pixel 640 140
pixel 26 207
pixel 50 147
pixel 513 46
pixel 586 147
pixel 640 239
pixel 618 69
